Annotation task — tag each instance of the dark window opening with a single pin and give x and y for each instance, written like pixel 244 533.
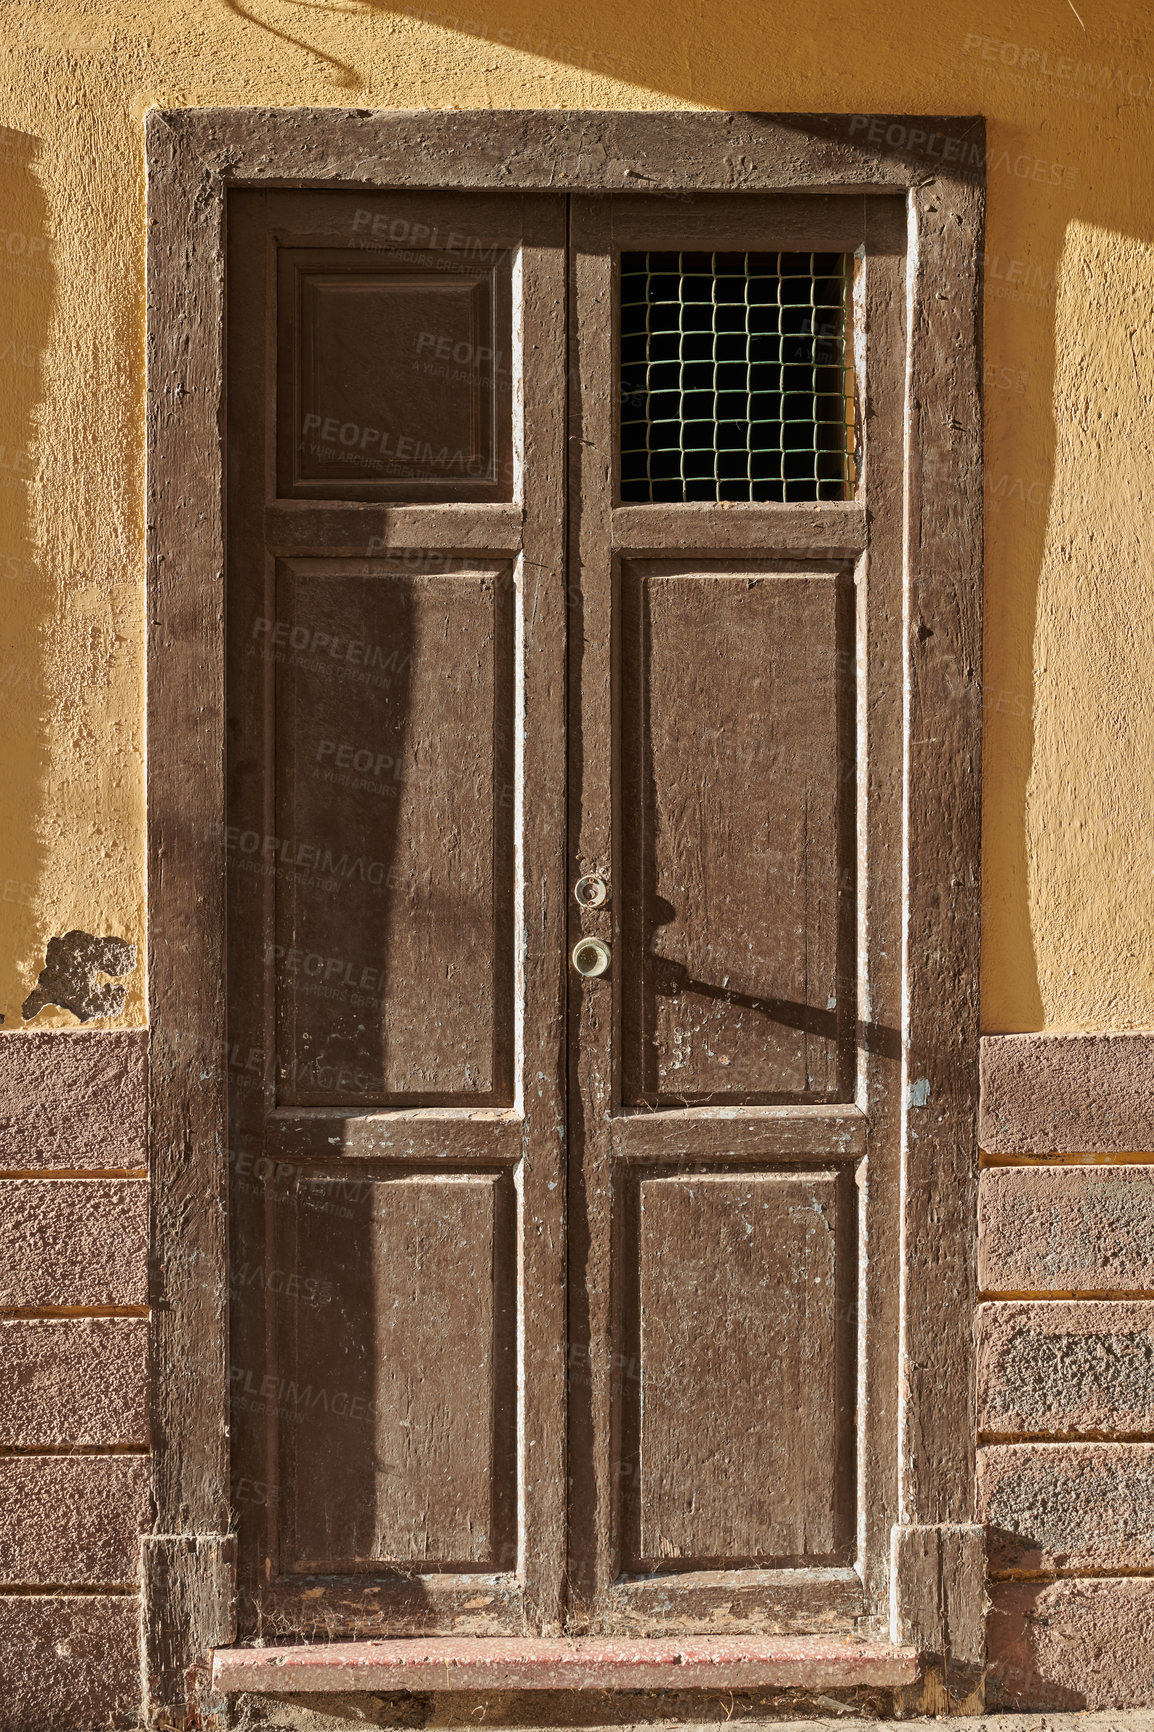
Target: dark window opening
pixel 736 377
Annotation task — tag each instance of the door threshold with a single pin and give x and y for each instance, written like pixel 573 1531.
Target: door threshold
pixel 565 1663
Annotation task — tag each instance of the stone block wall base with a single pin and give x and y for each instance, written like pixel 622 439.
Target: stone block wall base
pixel 69 1661
pixel 1073 1644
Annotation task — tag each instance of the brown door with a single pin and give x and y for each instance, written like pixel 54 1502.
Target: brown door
pixel 735 772
pixel 498 1365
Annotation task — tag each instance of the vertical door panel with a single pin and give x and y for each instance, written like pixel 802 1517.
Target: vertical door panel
pixel 740 1355
pixel 396 1352
pixel 736 710
pixel 394 772
pixel 395 837
pixel 737 766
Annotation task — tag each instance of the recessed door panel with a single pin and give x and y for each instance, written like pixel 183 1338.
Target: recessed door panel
pixel 743 1412
pixel 737 830
pixel 393 949
pixel 395 372
pixel 396 1354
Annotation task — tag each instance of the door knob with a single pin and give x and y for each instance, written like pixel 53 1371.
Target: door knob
pixel 591 957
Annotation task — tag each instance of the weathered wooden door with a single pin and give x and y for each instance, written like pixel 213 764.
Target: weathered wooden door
pixel 397 827
pixel 735 772
pixel 513 669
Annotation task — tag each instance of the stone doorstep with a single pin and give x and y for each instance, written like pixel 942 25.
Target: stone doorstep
pixel 573 1663
pixel 848 1720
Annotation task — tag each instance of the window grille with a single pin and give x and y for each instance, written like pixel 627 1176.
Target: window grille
pixel 736 376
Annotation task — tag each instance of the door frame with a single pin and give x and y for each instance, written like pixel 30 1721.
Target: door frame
pixel 193 157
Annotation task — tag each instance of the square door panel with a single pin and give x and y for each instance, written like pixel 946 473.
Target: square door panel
pixel 394 376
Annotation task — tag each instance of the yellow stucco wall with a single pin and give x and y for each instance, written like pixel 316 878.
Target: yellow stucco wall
pixel 1069 706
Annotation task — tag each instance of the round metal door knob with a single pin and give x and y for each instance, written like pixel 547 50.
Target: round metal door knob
pixel 591 957
pixel 591 891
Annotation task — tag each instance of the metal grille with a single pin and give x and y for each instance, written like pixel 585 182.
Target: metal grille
pixel 736 376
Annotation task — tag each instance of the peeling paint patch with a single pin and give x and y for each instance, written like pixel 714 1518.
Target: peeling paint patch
pixel 918 1093
pixel 69 976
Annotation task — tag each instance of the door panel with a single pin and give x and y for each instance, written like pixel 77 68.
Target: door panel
pixel 402 1319
pixel 394 758
pixel 395 838
pixel 740 1391
pixel 734 723
pixel 395 367
pixel 737 765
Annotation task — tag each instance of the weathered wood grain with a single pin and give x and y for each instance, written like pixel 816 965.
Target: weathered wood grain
pixel 396 1353
pixel 831 529
pixel 186 908
pixel 944 651
pixel 598 152
pixel 818 1133
pixel 386 1004
pixel 392 953
pixel 737 758
pixel 940 1609
pixel 189 1608
pixel 741 1392
pixel 193 157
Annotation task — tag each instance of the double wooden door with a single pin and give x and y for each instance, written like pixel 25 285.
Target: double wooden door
pixel 561 1300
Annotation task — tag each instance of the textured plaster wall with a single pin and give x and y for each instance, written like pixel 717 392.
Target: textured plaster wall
pixel 1069 929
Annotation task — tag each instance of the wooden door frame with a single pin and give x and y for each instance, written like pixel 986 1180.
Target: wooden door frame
pixel 193 157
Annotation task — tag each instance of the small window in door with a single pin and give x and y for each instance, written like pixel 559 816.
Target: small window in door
pixel 736 377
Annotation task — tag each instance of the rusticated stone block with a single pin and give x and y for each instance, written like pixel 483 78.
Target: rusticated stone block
pixel 73 1380
pixel 73 1242
pixel 69 1662
pixel 1072 1644
pixel 71 1521
pixel 1047 1094
pixel 73 1099
pixel 1066 1229
pixel 1063 1366
pixel 1068 1506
